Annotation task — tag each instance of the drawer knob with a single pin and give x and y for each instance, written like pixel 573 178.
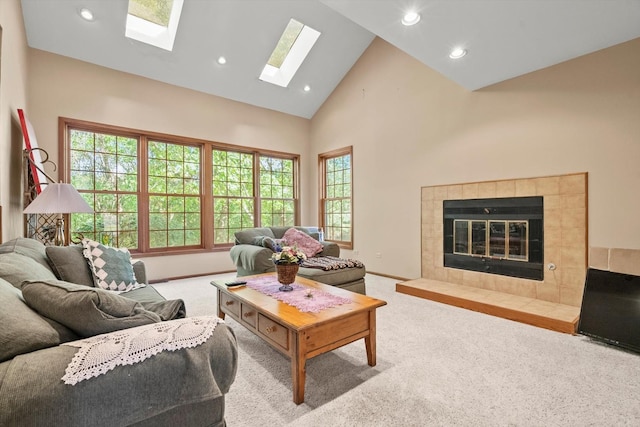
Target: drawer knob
pixel 228 303
pixel 249 314
pixel 270 329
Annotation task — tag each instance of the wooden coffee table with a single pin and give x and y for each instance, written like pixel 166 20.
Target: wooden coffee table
pixel 298 335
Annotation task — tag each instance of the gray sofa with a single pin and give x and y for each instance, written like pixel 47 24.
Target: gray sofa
pixel 181 387
pixel 251 257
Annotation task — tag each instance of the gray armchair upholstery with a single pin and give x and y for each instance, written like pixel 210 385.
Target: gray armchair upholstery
pixel 250 258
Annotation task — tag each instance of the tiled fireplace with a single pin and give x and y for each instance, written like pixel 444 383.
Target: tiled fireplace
pixel 564 259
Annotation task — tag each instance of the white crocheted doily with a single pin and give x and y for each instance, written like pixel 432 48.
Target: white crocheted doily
pixel 100 354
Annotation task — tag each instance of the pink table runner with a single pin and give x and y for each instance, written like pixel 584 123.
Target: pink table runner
pixel 307 300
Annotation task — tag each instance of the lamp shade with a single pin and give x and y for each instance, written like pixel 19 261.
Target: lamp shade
pixel 58 198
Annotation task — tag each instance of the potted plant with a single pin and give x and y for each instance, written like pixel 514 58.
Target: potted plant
pixel 287 260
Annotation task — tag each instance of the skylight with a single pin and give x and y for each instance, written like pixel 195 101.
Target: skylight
pixel 154 22
pixel 292 49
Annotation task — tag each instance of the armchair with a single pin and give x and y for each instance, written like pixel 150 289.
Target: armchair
pixel 250 257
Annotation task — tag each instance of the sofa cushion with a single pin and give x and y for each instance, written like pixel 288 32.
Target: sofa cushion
pixel 23 330
pixel 330 249
pixel 16 268
pixel 140 271
pixel 69 264
pixel 111 267
pixel 31 248
pixel 144 295
pixel 304 242
pixel 245 237
pixel 279 231
pixel 86 311
pixel 333 277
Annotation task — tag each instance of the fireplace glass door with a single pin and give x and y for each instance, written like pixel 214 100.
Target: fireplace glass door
pixel 507 239
pixel 497 236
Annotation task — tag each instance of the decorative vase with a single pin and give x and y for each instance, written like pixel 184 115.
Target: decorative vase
pixel 287 275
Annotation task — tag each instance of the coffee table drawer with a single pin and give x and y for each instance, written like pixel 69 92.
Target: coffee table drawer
pixel 249 315
pixel 229 304
pixel 273 331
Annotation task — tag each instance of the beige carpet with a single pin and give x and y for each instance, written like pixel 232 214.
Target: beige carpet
pixel 438 365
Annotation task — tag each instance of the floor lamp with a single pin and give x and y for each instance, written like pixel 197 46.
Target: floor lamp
pixel 58 198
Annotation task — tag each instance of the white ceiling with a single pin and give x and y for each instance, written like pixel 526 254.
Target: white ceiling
pixel 504 39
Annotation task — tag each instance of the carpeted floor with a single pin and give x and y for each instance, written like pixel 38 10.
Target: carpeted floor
pixel 438 365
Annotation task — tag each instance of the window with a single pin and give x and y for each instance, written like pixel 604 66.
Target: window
pixel 155 11
pixel 149 193
pixel 290 52
pixel 277 191
pixel 154 22
pixel 234 205
pixel 336 217
pixel 104 168
pixel 174 195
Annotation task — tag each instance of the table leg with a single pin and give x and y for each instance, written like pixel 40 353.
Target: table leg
pixel 370 340
pixel 221 313
pixel 298 368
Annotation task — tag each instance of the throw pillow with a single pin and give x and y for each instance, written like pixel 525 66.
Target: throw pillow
pixel 23 330
pixel 31 248
pixel 70 265
pixel 272 244
pixel 259 240
pixel 303 241
pixel 16 268
pixel 111 267
pixel 86 311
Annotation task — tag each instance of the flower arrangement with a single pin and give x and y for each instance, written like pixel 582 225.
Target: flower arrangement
pixel 288 255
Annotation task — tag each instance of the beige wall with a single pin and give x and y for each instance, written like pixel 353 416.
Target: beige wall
pixel 64 87
pixel 410 127
pixel 13 95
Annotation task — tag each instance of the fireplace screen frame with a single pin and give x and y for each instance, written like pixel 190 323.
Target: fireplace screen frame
pixel 485 242
pixel 476 254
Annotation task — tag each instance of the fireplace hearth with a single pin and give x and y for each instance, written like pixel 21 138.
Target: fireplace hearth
pixel 503 236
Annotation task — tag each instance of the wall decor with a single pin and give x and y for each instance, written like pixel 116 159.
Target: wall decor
pixel 33 151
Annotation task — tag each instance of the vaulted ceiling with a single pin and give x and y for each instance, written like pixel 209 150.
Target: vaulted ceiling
pixel 503 39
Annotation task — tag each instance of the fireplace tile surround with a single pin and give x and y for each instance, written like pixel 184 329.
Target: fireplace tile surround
pixel 565 236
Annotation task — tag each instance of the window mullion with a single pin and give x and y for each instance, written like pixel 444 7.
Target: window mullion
pixel 206 192
pixel 296 191
pixel 257 197
pixel 143 193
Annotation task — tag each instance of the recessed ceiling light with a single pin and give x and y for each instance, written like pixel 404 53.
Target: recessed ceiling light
pixel 222 60
pixel 411 18
pixel 86 14
pixel 306 88
pixel 457 53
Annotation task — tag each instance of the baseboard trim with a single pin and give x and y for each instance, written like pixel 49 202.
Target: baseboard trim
pixel 402 279
pixel 189 276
